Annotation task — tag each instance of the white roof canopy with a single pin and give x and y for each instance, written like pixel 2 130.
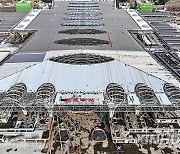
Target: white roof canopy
pixel 68 77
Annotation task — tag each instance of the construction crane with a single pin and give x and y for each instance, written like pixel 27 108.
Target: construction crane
pixel 48 145
pixel 52 130
pixel 50 139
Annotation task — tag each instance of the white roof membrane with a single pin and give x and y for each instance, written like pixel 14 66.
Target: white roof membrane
pixel 96 77
pixel 22 25
pixel 139 20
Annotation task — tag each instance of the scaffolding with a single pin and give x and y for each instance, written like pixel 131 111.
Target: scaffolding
pixel 115 93
pixel 173 93
pixel 145 94
pixel 45 94
pixel 14 96
pixel 115 98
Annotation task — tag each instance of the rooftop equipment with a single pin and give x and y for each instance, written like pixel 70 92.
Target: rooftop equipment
pixel 146 7
pixel 23 6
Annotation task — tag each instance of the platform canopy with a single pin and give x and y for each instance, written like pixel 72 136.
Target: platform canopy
pixel 93 77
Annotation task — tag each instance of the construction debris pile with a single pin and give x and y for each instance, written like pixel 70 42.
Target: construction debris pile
pixel 18 38
pixel 77 133
pixel 172 5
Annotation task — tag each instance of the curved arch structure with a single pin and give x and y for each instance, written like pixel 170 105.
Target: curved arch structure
pixel 172 92
pixel 145 94
pixel 45 93
pixel 115 93
pixel 15 94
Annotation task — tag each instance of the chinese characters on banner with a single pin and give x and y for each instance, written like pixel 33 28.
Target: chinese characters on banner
pixel 78 100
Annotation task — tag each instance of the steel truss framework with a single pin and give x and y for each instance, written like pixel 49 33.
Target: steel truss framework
pixel 145 94
pixel 45 93
pixel 84 13
pixel 115 93
pixel 93 108
pixel 81 59
pixel 162 52
pixel 17 98
pixel 82 31
pixel 83 8
pixel 173 93
pixel 82 18
pixel 82 3
pixel 14 96
pixel 82 23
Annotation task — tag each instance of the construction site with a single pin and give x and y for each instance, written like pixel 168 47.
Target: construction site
pixel 90 77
